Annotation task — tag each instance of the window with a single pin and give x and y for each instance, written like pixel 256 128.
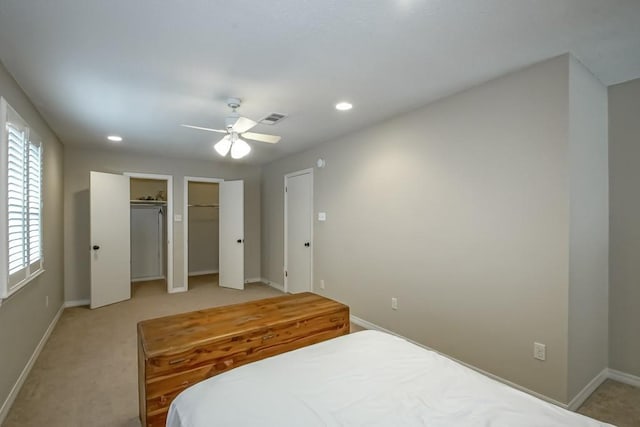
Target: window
pixel 21 209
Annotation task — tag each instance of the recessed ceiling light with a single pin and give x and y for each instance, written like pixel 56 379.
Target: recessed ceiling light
pixel 114 138
pixel 343 106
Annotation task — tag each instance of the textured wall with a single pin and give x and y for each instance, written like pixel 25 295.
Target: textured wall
pixel 461 211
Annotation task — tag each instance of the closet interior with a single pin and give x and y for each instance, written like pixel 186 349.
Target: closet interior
pixel 148 229
pixel 203 232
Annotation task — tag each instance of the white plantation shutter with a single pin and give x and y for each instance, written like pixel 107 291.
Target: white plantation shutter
pixel 16 209
pixel 34 190
pixel 22 215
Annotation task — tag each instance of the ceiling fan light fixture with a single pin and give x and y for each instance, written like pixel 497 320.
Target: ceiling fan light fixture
pixel 239 149
pixel 344 106
pixel 236 126
pixel 223 146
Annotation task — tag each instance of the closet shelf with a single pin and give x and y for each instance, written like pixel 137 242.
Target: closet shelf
pixel 148 202
pixel 202 206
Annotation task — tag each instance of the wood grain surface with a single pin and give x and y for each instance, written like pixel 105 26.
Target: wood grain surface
pixel 178 351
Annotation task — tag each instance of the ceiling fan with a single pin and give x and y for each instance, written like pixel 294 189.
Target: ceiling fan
pixel 237 126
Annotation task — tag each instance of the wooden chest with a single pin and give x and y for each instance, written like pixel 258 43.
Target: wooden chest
pixel 175 352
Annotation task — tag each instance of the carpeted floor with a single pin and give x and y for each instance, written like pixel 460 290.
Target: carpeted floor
pixel 86 374
pixel 615 403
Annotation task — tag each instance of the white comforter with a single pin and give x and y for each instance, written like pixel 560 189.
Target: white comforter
pixel 364 379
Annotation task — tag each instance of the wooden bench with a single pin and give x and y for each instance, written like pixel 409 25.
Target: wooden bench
pixel 175 352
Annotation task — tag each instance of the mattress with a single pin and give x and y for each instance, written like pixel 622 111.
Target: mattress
pixel 369 378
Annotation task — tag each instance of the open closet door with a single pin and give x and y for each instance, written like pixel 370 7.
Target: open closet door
pixel 231 220
pixel 110 239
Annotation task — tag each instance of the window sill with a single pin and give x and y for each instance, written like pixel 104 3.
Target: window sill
pixel 21 285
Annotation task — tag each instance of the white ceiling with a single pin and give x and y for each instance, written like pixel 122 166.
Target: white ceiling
pixel 140 68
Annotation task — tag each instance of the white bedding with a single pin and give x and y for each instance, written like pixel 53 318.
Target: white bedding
pixel 364 379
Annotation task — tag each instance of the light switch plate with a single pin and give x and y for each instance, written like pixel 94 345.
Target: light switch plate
pixel 177 218
pixel 322 216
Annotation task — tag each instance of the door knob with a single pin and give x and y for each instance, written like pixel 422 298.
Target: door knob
pixel 96 247
pixel 307 244
pixel 240 240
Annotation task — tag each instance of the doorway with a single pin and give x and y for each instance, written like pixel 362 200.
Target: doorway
pixel 230 231
pixel 202 228
pixel 110 233
pixel 298 231
pixel 151 204
pixel 149 232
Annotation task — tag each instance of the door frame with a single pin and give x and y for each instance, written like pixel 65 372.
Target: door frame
pixel 169 180
pixel 286 225
pixel 185 225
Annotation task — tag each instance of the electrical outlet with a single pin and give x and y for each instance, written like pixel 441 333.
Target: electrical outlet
pixel 539 351
pixel 46 301
pixel 321 283
pixel 394 303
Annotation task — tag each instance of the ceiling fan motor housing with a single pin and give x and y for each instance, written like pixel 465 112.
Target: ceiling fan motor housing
pixel 231 119
pixel 234 103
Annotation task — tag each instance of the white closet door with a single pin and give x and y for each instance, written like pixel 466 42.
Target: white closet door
pixel 110 229
pixel 146 242
pixel 231 234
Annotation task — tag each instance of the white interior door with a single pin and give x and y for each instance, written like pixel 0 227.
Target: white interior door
pixel 231 220
pixel 110 239
pixel 298 232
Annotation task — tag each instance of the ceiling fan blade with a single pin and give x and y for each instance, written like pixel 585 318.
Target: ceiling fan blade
pixel 262 137
pixel 207 129
pixel 243 124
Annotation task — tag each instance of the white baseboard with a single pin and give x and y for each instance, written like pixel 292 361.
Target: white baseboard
pixel 147 279
pixel 177 289
pixel 623 377
pixel 573 405
pixel 369 325
pixel 77 303
pixel 254 280
pixel 4 410
pixel 583 394
pixel 202 273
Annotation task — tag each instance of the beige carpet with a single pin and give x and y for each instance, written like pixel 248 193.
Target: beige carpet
pixel 615 403
pixel 86 374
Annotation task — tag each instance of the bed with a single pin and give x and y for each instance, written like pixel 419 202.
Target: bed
pixel 367 378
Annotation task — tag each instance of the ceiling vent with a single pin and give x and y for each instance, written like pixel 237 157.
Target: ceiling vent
pixel 273 118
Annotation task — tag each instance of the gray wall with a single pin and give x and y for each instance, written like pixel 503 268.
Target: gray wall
pixel 589 228
pixel 461 211
pixel 24 317
pixel 624 258
pixel 78 164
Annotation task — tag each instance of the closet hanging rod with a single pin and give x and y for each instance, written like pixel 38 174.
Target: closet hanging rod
pixel 203 206
pixel 148 202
